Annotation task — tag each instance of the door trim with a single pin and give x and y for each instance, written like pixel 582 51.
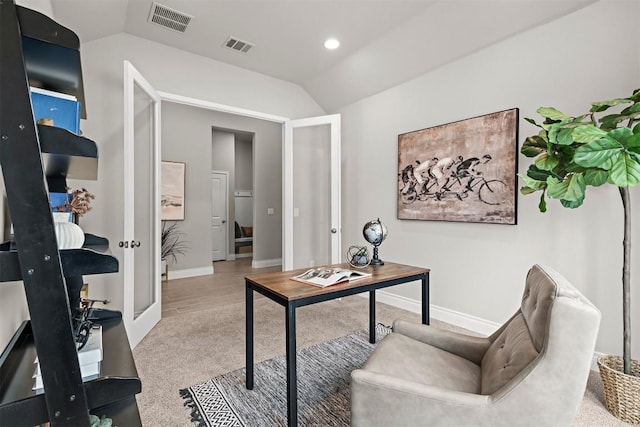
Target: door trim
pixel 201 103
pixel 226 240
pixel 244 112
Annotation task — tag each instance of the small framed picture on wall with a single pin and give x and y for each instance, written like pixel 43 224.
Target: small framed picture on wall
pixel 172 191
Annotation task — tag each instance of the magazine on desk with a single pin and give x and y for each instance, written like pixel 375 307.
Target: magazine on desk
pixel 327 276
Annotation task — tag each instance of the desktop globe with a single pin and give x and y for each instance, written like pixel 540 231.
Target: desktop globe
pixel 375 232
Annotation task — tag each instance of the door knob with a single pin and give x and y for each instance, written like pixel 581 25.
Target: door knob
pixel 135 243
pixel 334 231
pixel 123 244
pixel 224 221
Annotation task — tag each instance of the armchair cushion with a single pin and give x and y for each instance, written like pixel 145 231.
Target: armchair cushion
pixel 509 354
pixel 406 359
pixel 468 346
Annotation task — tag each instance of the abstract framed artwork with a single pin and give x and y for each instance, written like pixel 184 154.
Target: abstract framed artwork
pixel 462 171
pixel 172 191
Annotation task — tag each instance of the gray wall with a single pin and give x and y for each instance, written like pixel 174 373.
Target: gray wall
pixel 479 269
pixel 204 150
pixel 244 164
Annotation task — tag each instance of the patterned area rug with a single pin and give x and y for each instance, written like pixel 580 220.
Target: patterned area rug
pixel 323 388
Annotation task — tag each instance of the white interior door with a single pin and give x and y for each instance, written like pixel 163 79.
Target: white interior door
pixel 323 215
pixel 219 224
pixel 141 244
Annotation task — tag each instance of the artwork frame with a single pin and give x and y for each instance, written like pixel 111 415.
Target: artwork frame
pixel 463 171
pixel 172 191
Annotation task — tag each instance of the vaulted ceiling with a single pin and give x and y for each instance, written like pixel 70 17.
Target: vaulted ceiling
pixel 383 42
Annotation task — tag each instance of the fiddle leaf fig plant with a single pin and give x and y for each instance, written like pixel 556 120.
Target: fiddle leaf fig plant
pixel 572 153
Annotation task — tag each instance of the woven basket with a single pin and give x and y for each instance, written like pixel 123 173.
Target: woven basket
pixel 621 392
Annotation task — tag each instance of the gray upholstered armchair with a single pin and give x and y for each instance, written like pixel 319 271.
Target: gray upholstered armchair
pixel 531 372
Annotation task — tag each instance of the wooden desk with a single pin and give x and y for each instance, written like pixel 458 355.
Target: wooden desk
pixel 290 294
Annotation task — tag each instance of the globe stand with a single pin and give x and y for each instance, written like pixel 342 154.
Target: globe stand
pixel 376 260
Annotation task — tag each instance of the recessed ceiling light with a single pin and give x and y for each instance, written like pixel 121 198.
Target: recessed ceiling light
pixel 331 44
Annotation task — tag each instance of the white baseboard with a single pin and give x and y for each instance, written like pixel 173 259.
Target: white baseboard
pixel 247 255
pixel 190 272
pixel 266 263
pixel 456 318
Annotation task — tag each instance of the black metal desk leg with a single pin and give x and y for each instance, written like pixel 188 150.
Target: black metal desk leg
pixel 372 317
pixel 249 335
pixel 425 299
pixel 292 385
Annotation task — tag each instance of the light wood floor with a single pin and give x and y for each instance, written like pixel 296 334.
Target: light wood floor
pixel 224 287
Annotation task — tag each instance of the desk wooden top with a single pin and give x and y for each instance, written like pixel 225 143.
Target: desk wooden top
pixel 280 283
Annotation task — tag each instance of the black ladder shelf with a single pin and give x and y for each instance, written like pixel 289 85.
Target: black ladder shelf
pixel 35 50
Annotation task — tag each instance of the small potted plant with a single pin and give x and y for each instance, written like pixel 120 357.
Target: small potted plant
pixel 358 256
pixel 172 244
pixel 80 203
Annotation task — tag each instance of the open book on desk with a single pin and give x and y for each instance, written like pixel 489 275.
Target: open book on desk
pixel 327 276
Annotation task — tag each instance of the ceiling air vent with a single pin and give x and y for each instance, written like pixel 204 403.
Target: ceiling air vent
pixel 237 45
pixel 169 18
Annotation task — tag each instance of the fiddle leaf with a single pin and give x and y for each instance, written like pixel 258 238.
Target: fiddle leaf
pixel 547 162
pixel 587 133
pixel 533 146
pixel 565 136
pixel 571 189
pixel 532 184
pixel 552 113
pixel 626 170
pixel 536 174
pixel 635 108
pixel 533 122
pixel 601 153
pixel 598 107
pixel 596 177
pixel 542 205
pixel 571 204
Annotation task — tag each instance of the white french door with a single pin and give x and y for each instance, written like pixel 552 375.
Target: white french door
pixel 311 192
pixel 141 244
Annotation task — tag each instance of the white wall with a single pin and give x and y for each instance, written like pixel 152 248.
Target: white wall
pixel 479 269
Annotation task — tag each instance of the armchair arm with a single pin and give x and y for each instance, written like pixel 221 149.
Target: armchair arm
pixel 467 346
pixel 409 403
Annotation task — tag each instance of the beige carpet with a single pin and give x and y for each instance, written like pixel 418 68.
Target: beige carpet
pixel 187 349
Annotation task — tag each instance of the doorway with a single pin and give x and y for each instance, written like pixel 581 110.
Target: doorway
pixel 232 202
pixel 272 214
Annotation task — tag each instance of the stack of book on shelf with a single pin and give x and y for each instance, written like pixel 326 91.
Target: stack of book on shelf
pixel 89 357
pixel 56 109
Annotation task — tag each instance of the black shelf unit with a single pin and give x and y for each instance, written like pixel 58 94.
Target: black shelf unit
pixel 35 159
